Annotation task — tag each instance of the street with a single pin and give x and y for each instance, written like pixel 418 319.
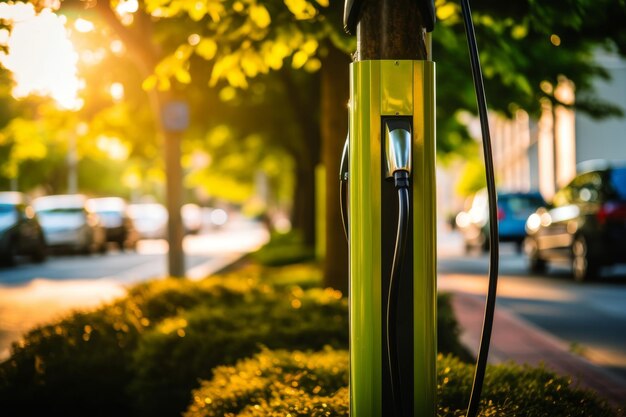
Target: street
pixel 31 294
pixel 589 317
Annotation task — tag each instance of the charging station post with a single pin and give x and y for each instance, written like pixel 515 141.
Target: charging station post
pixel 392 137
pixel 392 283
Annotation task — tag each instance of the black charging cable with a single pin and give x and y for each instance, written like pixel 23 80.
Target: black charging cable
pixel 343 185
pixel 490 305
pixel 402 184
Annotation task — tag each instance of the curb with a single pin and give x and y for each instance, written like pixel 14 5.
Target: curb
pixel 515 339
pixel 214 266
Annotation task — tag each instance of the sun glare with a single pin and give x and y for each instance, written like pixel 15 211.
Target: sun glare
pixel 113 147
pixel 117 91
pixel 127 7
pixel 83 25
pixel 40 56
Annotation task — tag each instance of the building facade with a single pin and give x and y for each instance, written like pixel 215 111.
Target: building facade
pixel 543 154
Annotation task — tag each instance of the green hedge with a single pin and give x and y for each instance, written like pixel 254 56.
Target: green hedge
pixel 142 354
pixel 77 367
pixel 284 249
pixel 298 384
pixel 172 356
pixel 82 365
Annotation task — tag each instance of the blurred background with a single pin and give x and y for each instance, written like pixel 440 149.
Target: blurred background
pixel 140 139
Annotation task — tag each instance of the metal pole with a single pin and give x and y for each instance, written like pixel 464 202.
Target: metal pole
pixel 173 171
pixel 174 122
pixel 72 165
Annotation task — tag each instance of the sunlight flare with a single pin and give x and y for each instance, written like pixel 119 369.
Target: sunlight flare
pixel 40 55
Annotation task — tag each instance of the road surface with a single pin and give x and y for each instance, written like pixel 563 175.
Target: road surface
pixel 590 317
pixel 31 294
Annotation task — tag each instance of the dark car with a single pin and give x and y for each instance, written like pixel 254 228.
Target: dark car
pixel 114 217
pixel 513 210
pixel 585 226
pixel 20 232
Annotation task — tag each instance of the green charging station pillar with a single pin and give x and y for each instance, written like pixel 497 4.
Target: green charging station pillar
pixel 382 90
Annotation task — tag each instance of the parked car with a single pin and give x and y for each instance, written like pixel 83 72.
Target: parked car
pixel 20 231
pixel 68 224
pixel 150 220
pixel 214 218
pixel 118 226
pixel 513 210
pixel 192 218
pixel 585 226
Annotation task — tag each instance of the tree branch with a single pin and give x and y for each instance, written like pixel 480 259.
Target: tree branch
pixel 145 54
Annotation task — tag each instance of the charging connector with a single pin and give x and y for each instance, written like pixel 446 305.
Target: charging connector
pixel 397 145
pixel 398 165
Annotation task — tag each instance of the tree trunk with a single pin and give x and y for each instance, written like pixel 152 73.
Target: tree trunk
pixel 303 217
pixel 335 85
pixel 306 154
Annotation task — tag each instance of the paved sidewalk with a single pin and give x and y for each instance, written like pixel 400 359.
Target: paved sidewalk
pixel 520 341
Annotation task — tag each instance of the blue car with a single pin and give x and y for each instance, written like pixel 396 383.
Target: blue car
pixel 513 211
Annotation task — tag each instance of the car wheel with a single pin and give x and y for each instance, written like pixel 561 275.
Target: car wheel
pixel 484 247
pixel 102 249
pixel 468 248
pixel 39 254
pixel 132 246
pixel 10 257
pixel 535 263
pixel 584 267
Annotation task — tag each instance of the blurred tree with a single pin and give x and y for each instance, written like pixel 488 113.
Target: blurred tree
pixel 525 48
pixel 472 178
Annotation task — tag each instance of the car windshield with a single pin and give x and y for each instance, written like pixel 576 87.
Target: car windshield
pixel 618 182
pixel 68 210
pixel 111 218
pixel 6 209
pixel 110 213
pixel 520 204
pixel 8 216
pixel 62 217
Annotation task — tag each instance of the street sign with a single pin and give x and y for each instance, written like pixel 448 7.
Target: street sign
pixel 175 116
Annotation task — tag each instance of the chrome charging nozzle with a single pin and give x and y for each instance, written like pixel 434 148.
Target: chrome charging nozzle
pixel 398 146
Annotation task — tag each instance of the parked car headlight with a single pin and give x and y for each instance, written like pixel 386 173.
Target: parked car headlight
pixel 462 220
pixel 533 222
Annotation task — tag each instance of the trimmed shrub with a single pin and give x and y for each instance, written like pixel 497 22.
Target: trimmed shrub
pixel 315 384
pixel 515 390
pixel 76 365
pixel 142 354
pixel 448 331
pixel 82 365
pixel 284 249
pixel 277 383
pixel 303 275
pixel 172 356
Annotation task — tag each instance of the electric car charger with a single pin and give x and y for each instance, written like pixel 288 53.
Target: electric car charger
pixel 398 168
